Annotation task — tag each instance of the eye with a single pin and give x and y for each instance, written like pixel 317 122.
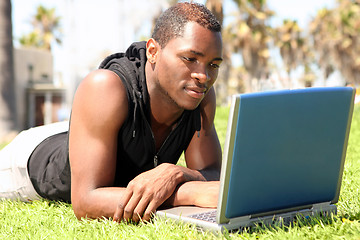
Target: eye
pixel 214 65
pixel 187 59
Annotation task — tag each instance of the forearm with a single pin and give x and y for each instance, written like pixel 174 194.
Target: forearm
pixel 97 203
pixel 104 201
pixel 195 193
pixel 142 196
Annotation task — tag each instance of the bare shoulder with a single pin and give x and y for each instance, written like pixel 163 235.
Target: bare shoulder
pixel 99 109
pixel 101 84
pixel 100 99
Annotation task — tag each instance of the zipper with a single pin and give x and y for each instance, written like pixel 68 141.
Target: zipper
pixel 156 161
pixel 156 156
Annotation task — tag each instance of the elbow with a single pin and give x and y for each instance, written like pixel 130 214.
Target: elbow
pixel 79 211
pixel 211 174
pixel 87 205
pixel 79 206
pixel 79 214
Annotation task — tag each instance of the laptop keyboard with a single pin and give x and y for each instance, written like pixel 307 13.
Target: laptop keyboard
pixel 209 216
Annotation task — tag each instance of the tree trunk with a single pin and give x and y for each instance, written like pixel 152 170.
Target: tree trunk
pixel 7 80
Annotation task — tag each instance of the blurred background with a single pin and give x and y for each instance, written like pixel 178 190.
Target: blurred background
pixel 48 46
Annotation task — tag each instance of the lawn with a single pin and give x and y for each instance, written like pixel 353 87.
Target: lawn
pixel 53 220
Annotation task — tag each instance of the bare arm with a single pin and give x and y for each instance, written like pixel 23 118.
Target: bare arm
pixel 204 151
pixel 196 193
pixel 204 157
pixel 95 122
pixel 99 110
pixel 175 185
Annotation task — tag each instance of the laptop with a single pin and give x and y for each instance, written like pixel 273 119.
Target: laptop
pixel 283 156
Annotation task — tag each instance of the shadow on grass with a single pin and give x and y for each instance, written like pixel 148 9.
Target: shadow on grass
pixel 299 222
pixel 350 216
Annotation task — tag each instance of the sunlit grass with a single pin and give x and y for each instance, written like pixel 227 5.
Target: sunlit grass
pixel 2 145
pixel 52 220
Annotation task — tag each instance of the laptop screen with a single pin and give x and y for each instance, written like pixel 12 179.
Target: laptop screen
pixel 289 149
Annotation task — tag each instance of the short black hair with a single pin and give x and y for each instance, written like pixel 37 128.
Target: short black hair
pixel 171 23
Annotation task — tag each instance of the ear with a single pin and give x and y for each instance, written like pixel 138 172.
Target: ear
pixel 152 50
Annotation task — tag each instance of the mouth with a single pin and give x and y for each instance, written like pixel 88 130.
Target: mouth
pixel 196 92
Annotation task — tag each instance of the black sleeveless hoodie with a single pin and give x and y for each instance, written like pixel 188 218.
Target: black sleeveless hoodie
pixel 49 167
pixel 136 144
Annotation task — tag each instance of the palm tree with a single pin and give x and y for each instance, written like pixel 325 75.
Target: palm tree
pixel 7 83
pixel 293 47
pixel 221 86
pixel 250 35
pixel 320 31
pixel 46 29
pixel 336 38
pixel 33 39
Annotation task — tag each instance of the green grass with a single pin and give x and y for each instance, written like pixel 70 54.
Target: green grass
pixel 53 220
pixel 2 145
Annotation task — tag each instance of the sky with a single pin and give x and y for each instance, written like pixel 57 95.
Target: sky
pixel 300 10
pixel 93 32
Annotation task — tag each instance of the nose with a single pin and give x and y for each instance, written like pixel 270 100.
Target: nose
pixel 201 75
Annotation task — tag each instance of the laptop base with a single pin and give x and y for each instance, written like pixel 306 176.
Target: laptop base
pixel 183 213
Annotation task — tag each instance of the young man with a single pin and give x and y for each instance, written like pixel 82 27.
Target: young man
pixel 130 122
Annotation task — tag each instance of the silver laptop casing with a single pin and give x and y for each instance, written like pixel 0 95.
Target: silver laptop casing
pixel 284 215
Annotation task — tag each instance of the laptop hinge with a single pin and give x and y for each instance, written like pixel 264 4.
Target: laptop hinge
pixel 324 206
pixel 320 206
pixel 240 219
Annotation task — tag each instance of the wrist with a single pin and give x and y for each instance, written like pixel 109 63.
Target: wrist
pixel 183 195
pixel 197 193
pixel 190 175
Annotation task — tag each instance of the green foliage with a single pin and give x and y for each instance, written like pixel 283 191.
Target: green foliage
pixel 32 39
pixel 55 220
pixel 335 34
pixel 221 121
pixel 46 29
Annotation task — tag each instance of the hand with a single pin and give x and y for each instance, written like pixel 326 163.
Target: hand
pixel 146 192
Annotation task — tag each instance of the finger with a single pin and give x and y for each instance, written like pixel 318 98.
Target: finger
pixel 130 206
pixel 151 209
pixel 139 209
pixel 119 212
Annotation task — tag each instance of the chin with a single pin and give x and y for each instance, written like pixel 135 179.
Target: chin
pixel 190 106
pixel 187 103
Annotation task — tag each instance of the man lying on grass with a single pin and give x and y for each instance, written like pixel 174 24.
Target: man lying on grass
pixel 131 120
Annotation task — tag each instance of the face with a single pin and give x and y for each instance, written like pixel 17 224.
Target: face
pixel 187 67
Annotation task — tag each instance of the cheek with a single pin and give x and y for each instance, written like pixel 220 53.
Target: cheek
pixel 173 69
pixel 213 76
